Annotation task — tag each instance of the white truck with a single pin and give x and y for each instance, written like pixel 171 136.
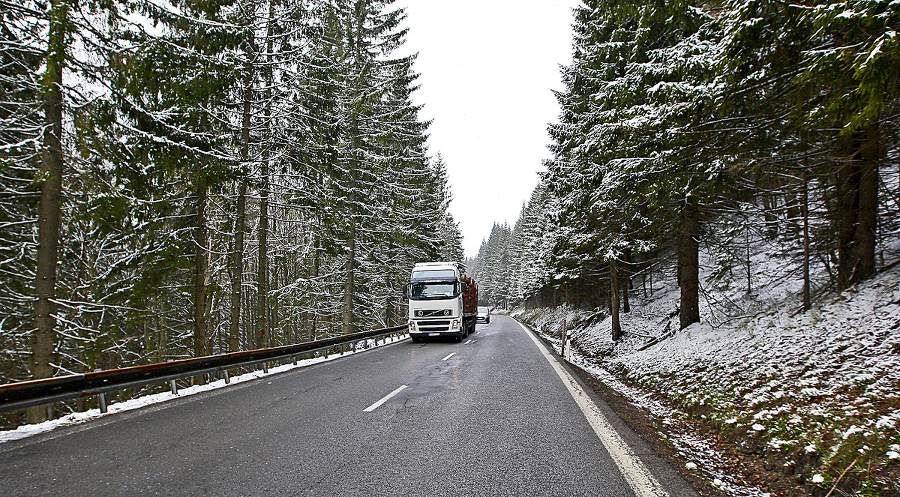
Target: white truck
pixel 443 301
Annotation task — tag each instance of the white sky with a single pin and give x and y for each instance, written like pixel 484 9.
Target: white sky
pixel 487 69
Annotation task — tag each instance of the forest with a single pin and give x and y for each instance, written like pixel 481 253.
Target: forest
pixel 689 126
pixel 196 177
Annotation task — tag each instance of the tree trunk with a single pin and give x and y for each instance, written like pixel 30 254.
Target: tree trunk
pixel 747 261
pixel 262 279
pixel 262 275
pixel 846 210
pixel 857 210
pixel 770 204
pixel 43 343
pixel 314 305
pixel 614 300
pixel 807 300
pixel 201 268
pixel 237 267
pixel 626 281
pixel 689 263
pixel 349 286
pixel 866 232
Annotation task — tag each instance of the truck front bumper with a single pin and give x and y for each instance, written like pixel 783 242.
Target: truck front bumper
pixel 435 327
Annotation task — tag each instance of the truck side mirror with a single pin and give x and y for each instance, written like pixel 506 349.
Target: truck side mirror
pixel 462 287
pixel 406 290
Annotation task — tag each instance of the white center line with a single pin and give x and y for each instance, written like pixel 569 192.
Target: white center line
pixel 384 399
pixel 448 356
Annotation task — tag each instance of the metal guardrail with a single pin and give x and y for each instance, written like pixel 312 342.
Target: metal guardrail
pixel 21 395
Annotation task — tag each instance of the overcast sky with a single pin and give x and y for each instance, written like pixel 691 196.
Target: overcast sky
pixel 487 69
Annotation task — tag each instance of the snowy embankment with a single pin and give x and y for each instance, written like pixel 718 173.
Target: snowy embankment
pixel 812 398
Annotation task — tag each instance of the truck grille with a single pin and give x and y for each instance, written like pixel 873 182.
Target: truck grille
pixel 433 326
pixel 433 313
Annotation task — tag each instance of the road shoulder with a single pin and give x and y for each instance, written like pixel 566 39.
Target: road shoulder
pixel 639 430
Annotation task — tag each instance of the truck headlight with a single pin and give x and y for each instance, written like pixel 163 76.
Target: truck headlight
pixel 454 324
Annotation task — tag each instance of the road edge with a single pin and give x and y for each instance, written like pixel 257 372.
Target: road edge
pixel 641 466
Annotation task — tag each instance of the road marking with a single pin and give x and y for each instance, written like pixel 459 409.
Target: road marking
pixel 448 356
pixel 636 474
pixel 384 399
pixel 470 341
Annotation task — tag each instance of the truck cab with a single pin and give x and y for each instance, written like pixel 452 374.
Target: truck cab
pixel 440 301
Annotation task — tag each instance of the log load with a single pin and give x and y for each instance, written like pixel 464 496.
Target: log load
pixel 470 297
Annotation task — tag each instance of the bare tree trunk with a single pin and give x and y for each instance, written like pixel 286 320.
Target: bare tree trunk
pixel 43 343
pixel 846 210
pixel 201 268
pixel 857 210
pixel 315 304
pixel 262 280
pixel 262 275
pixel 614 300
pixel 349 286
pixel 689 262
pixel 237 269
pixel 626 281
pixel 866 239
pixel 770 204
pixel 747 261
pixel 274 282
pixel 807 300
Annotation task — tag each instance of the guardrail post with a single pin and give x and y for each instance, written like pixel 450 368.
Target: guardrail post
pixel 102 398
pixel 173 387
pixel 295 360
pixel 227 376
pixel 265 367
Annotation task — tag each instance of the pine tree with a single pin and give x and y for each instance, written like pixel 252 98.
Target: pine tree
pixel 857 63
pixel 20 124
pixel 622 165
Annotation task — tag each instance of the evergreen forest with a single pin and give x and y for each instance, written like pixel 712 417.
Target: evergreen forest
pixel 689 126
pixel 195 177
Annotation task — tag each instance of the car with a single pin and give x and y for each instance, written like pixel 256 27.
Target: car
pixel 484 315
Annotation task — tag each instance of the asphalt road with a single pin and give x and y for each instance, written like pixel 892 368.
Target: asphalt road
pixel 488 416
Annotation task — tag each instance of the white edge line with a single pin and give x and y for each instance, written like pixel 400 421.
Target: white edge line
pixel 635 472
pixel 384 399
pixel 448 356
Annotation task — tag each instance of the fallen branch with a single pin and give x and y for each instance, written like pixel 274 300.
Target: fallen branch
pixel 838 481
pixel 665 334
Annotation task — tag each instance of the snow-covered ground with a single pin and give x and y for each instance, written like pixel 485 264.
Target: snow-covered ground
pixel 139 402
pixel 816 393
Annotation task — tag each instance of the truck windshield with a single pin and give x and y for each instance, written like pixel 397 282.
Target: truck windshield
pixel 426 291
